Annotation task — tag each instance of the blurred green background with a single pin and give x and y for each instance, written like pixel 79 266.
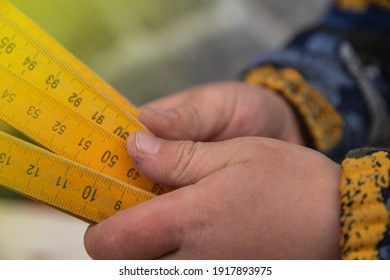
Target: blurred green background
pixel 146 49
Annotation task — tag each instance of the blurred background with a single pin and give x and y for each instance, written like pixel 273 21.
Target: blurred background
pixel 145 49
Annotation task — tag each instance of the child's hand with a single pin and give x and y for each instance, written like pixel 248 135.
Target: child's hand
pixel 245 198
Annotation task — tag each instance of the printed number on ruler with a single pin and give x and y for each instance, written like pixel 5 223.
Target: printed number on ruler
pixel 52 97
pixel 57 49
pixel 28 57
pixel 65 132
pixel 65 185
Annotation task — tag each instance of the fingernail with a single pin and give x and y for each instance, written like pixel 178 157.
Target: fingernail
pixel 165 113
pixel 147 143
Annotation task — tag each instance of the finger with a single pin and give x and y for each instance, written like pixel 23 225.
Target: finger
pixel 180 163
pixel 199 114
pixel 147 231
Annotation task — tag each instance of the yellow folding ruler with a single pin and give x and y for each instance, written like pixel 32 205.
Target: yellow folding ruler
pixel 81 122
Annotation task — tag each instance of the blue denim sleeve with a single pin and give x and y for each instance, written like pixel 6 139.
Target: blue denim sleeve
pixel 346 58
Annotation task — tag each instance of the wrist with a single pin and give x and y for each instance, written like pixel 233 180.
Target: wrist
pixel 320 123
pixel 291 129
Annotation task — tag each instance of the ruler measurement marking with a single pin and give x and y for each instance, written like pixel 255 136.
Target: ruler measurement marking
pixel 47 193
pixel 51 117
pixel 99 95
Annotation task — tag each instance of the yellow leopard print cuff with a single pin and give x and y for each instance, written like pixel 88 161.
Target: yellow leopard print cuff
pixel 361 5
pixel 364 215
pixel 323 122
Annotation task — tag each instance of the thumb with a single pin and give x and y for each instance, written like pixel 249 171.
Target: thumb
pixel 178 163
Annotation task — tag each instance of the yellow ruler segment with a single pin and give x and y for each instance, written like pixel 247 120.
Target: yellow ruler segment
pixel 23 54
pixel 50 96
pixel 57 49
pixel 64 131
pixel 63 184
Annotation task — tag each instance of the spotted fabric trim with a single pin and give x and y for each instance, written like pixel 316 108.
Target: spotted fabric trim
pixel 364 215
pixel 361 5
pixel 323 122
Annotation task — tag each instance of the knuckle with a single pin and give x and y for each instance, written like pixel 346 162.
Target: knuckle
pixel 186 153
pixel 192 120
